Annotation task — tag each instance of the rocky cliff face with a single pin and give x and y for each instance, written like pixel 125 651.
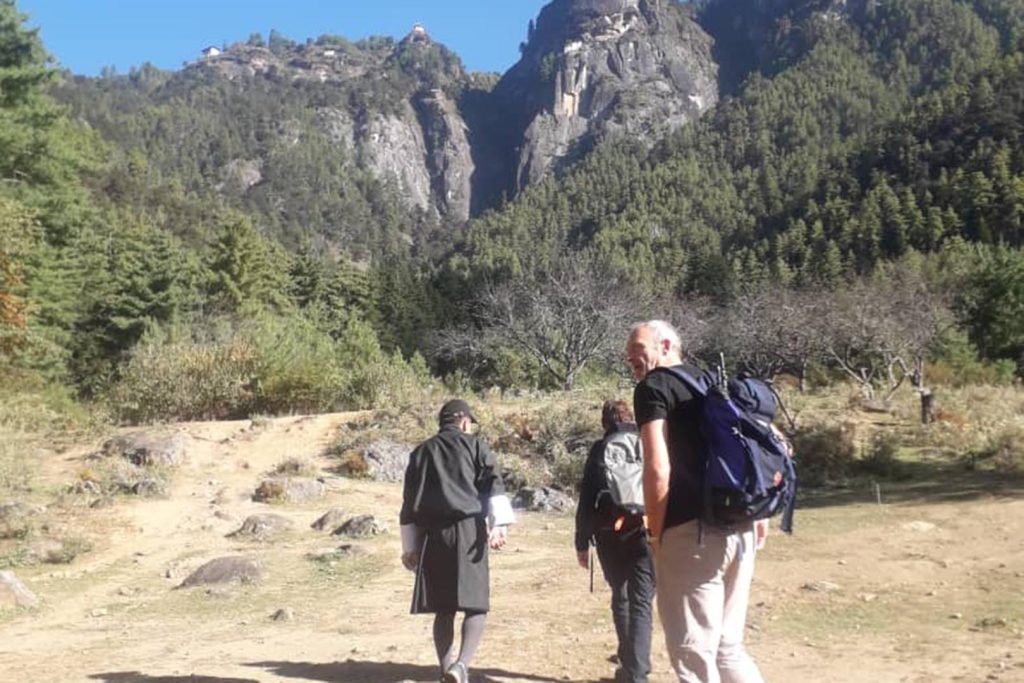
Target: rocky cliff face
pixel 406 111
pixel 594 69
pixel 412 133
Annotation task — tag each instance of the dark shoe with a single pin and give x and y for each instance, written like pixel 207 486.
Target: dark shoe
pixel 456 673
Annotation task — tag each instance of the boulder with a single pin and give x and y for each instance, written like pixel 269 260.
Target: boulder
pixel 386 460
pixel 330 520
pixel 16 519
pixel 288 490
pixel 54 551
pixel 225 570
pixel 283 614
pixel 543 499
pixel 381 461
pixel 361 527
pixel 147 448
pixel 14 594
pixel 135 480
pixel 262 527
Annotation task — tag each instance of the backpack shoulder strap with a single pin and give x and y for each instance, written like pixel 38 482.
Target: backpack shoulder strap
pixel 695 384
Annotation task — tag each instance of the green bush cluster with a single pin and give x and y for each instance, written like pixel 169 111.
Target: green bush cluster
pixel 269 365
pixel 825 453
pixel 1006 450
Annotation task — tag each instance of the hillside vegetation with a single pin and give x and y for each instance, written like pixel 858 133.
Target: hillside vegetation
pixel 867 164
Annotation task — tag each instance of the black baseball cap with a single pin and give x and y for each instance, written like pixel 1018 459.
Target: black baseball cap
pixel 456 408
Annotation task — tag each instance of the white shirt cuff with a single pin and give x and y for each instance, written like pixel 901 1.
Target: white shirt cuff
pixel 500 511
pixel 412 538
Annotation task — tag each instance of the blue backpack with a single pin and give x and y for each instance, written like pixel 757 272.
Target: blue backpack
pixel 748 473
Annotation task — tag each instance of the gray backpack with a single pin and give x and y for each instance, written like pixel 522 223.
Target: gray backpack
pixel 624 470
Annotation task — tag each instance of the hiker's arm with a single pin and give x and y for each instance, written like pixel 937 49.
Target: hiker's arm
pixel 588 497
pixel 412 541
pixel 494 498
pixel 760 533
pixel 657 470
pixel 412 535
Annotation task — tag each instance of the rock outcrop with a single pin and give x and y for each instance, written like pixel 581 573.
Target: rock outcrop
pixel 451 143
pixel 148 448
pixel 595 69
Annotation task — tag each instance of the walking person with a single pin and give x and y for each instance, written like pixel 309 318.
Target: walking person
pixel 703 575
pixel 610 513
pixel 454 509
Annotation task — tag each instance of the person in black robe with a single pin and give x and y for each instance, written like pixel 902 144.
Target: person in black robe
pixel 454 510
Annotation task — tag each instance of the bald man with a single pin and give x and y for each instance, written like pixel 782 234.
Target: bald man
pixel 702 585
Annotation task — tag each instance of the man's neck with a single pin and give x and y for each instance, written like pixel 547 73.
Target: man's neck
pixel 670 361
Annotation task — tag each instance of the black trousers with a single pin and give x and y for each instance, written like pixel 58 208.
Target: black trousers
pixel 628 568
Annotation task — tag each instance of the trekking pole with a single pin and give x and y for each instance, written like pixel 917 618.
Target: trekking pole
pixel 782 406
pixel 722 376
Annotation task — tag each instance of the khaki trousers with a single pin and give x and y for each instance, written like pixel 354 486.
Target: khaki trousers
pixel 703 593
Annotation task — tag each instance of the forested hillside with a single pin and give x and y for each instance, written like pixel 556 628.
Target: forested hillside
pixel 232 239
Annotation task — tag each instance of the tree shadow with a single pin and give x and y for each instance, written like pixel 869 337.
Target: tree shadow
pixel 914 483
pixel 137 677
pixel 352 671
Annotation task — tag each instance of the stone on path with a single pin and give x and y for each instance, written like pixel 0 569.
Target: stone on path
pixel 361 527
pixel 543 499
pixel 263 526
pixel 148 448
pixel 332 519
pixel 13 593
pixel 225 570
pixel 288 490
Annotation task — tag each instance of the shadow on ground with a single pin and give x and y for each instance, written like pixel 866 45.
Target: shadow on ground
pixel 916 482
pixel 352 671
pixel 136 677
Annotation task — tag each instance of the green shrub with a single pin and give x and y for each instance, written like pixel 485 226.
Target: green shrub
pixel 881 458
pixel 271 365
pixel 825 453
pixel 1005 450
pixel 186 381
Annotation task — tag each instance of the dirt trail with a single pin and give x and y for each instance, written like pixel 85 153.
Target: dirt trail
pixel 927 589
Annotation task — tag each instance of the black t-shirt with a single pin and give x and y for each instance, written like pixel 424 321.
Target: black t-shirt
pixel 663 396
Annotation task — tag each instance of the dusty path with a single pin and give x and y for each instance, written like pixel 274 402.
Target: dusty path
pixel 926 589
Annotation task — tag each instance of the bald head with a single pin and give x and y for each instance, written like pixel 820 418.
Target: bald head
pixel 651 345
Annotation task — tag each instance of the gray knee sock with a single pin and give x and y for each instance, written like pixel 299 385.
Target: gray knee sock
pixel 444 638
pixel 472 633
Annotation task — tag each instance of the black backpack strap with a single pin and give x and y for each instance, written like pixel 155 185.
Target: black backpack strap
pixel 787 512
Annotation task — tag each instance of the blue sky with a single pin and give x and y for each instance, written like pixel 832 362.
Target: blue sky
pixel 86 35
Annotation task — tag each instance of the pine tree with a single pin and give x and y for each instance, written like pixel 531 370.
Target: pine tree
pixel 247 273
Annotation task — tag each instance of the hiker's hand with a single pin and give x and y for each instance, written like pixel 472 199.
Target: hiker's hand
pixel 410 560
pixel 583 557
pixel 760 533
pixel 497 538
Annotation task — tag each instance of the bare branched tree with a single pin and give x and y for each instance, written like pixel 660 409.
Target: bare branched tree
pixel 879 332
pixel 771 330
pixel 563 319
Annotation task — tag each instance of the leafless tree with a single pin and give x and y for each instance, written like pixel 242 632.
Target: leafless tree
pixel 564 318
pixel 771 330
pixel 879 332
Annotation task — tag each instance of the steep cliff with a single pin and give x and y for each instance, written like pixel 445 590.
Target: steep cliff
pixel 292 130
pixel 594 69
